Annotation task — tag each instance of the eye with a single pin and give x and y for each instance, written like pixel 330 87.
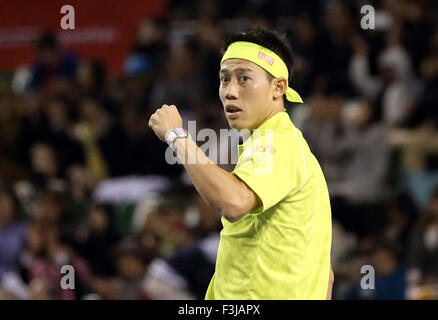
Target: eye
pixel 243 78
pixel 224 79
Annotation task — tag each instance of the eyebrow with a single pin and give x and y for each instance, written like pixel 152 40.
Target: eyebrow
pixel 235 70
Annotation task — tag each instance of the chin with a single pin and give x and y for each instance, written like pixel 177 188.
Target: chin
pixel 235 125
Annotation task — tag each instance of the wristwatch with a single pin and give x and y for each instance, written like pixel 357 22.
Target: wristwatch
pixel 176 133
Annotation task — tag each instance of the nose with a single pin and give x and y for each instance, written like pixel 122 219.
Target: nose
pixel 231 91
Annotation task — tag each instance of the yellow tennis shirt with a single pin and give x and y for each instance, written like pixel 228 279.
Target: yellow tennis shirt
pixel 280 250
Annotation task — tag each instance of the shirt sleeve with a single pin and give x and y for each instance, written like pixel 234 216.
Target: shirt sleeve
pixel 272 167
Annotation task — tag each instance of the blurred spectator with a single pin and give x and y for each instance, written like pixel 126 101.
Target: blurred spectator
pixel 202 219
pixel 82 184
pixel 354 157
pixel 95 127
pixel 209 36
pixel 401 215
pixel 167 224
pixel 130 268
pixel 152 40
pixel 51 64
pixel 337 32
pixel 395 89
pixel 426 111
pixel 389 282
pixel 48 249
pixel 363 177
pixel 32 126
pixel 11 232
pixel 90 78
pixel 139 77
pixel 50 130
pixel 97 239
pixel 179 76
pixel 308 53
pixel 10 168
pixel 50 210
pixel 184 275
pixel 423 249
pixel 60 134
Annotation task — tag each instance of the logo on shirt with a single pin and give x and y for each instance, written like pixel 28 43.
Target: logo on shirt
pixel 269 148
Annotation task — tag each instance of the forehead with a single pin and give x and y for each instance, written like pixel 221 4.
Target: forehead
pixel 233 65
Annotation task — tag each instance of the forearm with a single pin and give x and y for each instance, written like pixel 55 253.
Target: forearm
pixel 224 192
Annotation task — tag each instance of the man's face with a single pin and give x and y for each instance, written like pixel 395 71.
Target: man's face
pixel 245 92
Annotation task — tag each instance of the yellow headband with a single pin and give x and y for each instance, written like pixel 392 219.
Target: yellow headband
pixel 265 59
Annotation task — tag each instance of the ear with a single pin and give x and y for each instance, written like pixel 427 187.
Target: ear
pixel 279 87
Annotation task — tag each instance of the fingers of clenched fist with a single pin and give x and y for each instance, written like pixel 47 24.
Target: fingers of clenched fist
pixel 153 119
pixel 164 119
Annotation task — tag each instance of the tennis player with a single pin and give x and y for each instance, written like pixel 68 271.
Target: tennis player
pixel 274 206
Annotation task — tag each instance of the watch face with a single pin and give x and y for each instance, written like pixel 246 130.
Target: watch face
pixel 181 132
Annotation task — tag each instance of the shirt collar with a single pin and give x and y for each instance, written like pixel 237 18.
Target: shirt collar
pixel 277 121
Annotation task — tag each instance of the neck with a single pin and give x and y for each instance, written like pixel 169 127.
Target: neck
pixel 277 109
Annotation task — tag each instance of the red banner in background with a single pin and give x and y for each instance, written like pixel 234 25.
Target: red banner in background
pixel 104 29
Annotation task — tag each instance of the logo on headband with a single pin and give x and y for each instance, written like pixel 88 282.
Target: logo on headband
pixel 262 55
pixel 269 59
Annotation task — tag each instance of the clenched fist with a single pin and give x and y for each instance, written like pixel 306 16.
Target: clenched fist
pixel 164 119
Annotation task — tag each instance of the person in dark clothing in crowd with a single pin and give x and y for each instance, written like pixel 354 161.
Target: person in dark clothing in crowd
pixel 51 64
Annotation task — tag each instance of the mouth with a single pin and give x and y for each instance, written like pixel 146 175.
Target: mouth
pixel 232 111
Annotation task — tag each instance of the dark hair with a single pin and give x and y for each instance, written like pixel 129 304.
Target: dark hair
pixel 269 39
pixel 47 40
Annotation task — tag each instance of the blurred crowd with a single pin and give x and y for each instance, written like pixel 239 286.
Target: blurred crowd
pixel 84 181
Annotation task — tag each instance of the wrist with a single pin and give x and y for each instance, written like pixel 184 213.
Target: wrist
pixel 176 134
